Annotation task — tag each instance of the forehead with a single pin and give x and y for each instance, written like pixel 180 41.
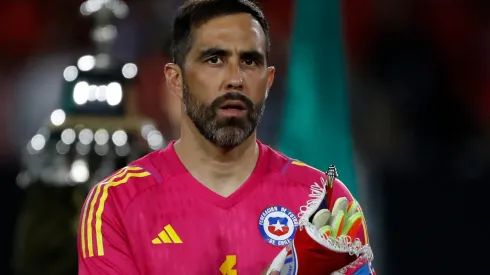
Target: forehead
pixel 237 31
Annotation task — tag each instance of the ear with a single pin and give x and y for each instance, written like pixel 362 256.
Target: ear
pixel 173 76
pixel 271 71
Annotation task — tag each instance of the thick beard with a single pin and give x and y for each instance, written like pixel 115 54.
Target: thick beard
pixel 226 133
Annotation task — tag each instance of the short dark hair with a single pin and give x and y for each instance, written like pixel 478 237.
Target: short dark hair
pixel 194 13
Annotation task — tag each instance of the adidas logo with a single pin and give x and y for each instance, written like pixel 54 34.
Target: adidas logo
pixel 167 235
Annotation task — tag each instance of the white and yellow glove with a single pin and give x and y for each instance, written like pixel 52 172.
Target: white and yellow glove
pixel 345 219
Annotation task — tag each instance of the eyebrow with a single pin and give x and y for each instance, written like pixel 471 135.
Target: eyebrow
pixel 213 52
pixel 251 54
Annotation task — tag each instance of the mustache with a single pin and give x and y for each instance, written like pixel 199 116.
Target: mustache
pixel 232 96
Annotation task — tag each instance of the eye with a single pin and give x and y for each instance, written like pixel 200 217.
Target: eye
pixel 249 62
pixel 214 60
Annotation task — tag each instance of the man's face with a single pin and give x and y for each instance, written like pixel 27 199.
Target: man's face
pixel 226 78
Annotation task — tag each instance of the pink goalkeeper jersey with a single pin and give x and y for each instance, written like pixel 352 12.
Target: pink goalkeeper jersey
pixel 153 217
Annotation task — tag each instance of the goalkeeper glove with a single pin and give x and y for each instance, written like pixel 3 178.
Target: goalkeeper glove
pixel 326 241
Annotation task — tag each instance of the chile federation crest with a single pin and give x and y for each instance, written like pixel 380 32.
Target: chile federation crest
pixel 277 225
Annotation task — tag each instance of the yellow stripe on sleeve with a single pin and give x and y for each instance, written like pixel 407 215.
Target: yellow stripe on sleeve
pixel 103 198
pixel 82 227
pixel 299 163
pixel 89 222
pixel 90 246
pixel 87 218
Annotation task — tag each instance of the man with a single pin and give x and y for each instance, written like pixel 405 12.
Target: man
pixel 216 201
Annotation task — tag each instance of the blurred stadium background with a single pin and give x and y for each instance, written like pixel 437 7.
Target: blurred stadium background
pixel 395 93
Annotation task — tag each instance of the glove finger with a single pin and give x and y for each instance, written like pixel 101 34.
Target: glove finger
pixel 337 223
pixel 352 225
pixel 341 204
pixel 321 218
pixel 325 231
pixel 352 208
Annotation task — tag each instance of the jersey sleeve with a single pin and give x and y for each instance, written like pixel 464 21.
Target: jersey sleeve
pixel 103 248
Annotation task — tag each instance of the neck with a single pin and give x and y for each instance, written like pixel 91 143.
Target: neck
pixel 212 165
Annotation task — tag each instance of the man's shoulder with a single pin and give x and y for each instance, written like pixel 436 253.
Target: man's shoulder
pixel 294 169
pixel 127 182
pixel 302 172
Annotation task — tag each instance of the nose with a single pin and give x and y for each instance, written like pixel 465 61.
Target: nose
pixel 235 77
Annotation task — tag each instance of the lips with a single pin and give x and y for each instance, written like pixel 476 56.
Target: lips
pixel 233 105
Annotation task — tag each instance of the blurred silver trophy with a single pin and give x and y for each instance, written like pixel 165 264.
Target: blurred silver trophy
pixel 98 128
pixel 96 131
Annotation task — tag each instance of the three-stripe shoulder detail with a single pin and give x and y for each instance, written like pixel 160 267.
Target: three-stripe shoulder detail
pixel 92 241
